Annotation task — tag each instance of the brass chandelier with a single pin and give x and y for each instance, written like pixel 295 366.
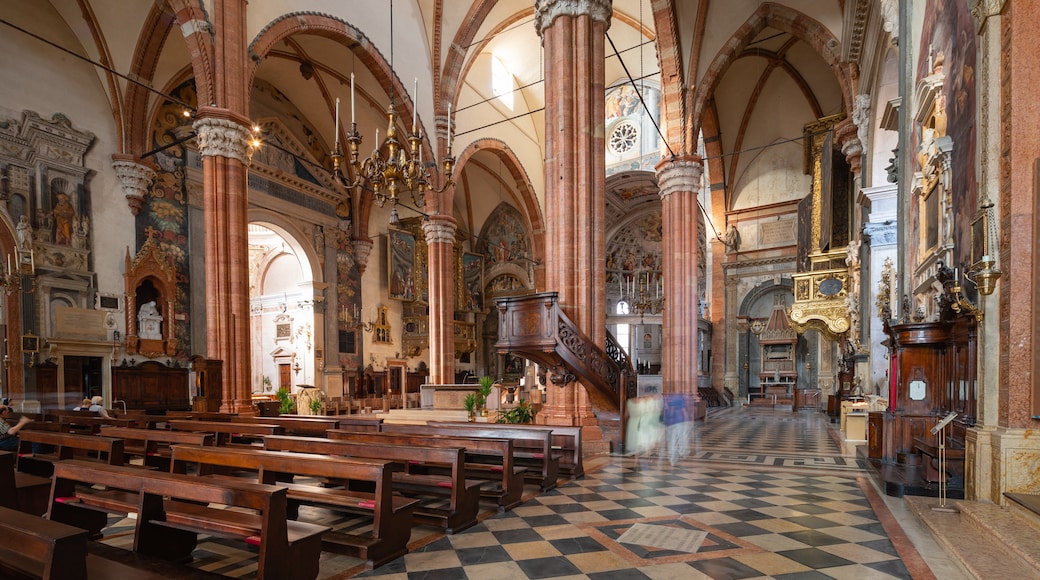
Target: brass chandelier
pixel 401 168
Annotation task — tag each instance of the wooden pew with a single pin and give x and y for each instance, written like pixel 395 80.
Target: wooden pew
pixel 391 514
pixel 463 494
pixel 309 426
pixel 93 425
pixel 486 459
pixel 172 509
pixel 153 445
pixel 566 440
pixel 227 432
pixel 199 415
pixel 66 446
pixel 34 547
pixel 22 491
pixel 532 446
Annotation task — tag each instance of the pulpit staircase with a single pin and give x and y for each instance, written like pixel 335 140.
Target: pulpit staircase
pixel 535 327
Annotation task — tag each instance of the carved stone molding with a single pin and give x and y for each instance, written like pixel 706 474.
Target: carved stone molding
pixel 136 179
pixel 546 11
pixel 983 9
pixel 362 249
pixel 222 138
pixel 890 18
pixel 682 174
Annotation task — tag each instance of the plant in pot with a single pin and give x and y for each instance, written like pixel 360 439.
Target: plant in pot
pixel 316 407
pixel 286 405
pixel 486 384
pixel 522 413
pixel 470 402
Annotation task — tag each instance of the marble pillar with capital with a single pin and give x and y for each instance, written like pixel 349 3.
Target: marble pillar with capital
pixel 440 242
pixel 679 180
pixel 573 34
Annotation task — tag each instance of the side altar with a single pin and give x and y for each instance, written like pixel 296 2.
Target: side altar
pixel 450 396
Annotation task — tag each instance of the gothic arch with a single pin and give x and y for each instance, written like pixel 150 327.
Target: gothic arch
pixel 773 15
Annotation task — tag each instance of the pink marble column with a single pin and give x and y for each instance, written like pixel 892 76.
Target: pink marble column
pixel 223 130
pixel 440 243
pixel 679 180
pixel 573 36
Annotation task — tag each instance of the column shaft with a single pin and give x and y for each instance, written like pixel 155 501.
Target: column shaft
pixel 440 242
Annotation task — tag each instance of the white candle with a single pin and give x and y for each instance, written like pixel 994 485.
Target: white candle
pixel 415 102
pixel 351 98
pixel 449 126
pixel 375 147
pixel 336 127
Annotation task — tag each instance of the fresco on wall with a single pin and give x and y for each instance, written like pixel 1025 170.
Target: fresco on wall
pixel 164 213
pixel 634 252
pixel 504 238
pixel 348 290
pixel 949 31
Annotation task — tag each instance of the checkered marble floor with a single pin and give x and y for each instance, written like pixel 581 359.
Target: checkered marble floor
pixel 763 494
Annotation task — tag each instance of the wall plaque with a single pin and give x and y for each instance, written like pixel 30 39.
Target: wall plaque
pixel 80 323
pixel 780 232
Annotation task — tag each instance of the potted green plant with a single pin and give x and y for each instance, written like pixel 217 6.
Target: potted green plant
pixel 286 405
pixel 316 405
pixel 522 413
pixel 470 402
pixel 486 384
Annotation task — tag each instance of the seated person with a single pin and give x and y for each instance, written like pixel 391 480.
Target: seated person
pixel 96 407
pixel 8 433
pixel 84 406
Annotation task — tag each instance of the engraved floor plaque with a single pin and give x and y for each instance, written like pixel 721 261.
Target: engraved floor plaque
pixel 664 537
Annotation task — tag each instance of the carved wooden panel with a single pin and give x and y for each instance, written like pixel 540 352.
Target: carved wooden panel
pixel 151 386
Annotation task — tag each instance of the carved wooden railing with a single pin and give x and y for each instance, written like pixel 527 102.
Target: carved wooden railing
pixel 534 326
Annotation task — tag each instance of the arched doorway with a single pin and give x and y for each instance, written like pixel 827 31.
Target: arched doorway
pixel 286 328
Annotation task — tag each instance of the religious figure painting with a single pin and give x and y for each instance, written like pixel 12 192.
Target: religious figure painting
pixel 472 282
pixel 401 265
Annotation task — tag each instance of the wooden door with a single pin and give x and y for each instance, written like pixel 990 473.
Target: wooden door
pixel 284 376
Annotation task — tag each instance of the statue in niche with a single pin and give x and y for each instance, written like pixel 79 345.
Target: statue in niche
pixel 64 218
pixel 732 239
pixel 149 321
pixel 25 233
pixel 46 221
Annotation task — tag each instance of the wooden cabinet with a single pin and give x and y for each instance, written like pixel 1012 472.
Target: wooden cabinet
pixel 151 386
pixel 875 435
pixel 208 387
pixel 807 399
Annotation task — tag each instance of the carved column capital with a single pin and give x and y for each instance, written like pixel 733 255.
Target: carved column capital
pixel 983 9
pixel 846 134
pixel 440 230
pixel 546 11
pixel 679 174
pixel 222 137
pixel 362 249
pixel 136 178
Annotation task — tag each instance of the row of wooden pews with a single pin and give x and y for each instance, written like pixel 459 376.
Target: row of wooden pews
pixel 433 475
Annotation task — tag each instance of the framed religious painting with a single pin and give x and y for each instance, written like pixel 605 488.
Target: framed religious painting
pixel 979 239
pixel 400 254
pixel 472 282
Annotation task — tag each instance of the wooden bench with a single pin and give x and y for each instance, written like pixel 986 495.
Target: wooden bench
pixel 22 491
pixel 954 458
pixel 486 459
pixel 153 445
pixel 66 446
pixel 532 446
pixel 173 509
pixel 309 426
pixel 566 440
pixel 227 432
pixel 34 547
pixel 391 515
pixel 463 494
pixel 93 425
